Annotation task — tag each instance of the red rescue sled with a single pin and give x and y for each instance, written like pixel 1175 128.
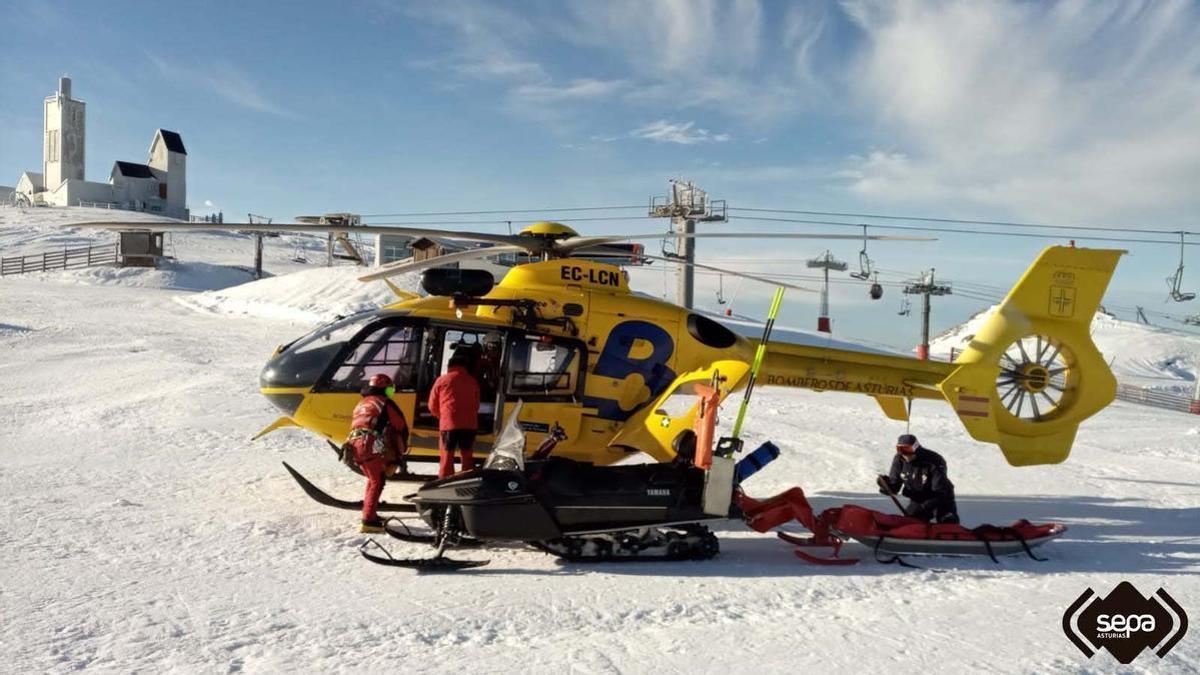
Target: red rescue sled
pixel 890 534
pixel 901 535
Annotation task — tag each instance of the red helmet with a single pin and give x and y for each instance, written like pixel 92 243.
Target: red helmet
pixel 380 381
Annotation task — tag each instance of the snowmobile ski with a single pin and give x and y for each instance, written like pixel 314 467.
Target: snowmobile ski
pixel 435 564
pixel 398 529
pixel 322 497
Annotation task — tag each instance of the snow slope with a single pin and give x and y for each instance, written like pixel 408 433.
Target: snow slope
pixel 311 295
pixel 1139 355
pixel 143 531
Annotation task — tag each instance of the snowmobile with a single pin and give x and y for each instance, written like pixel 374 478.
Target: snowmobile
pixel 575 510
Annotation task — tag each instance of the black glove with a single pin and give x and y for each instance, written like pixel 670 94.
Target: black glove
pixel 885 487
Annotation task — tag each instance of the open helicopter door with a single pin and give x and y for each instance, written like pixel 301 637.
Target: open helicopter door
pixel 544 376
pixel 483 348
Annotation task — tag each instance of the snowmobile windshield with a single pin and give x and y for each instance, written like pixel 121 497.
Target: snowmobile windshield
pixel 302 362
pixel 508 454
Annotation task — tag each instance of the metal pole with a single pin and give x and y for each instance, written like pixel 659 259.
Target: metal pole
pixel 923 348
pixel 258 255
pixel 686 247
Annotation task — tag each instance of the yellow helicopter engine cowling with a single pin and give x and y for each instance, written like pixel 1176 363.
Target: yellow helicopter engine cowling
pixel 1032 373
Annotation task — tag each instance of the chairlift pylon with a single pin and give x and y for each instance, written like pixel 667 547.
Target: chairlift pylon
pixel 1175 281
pixel 720 289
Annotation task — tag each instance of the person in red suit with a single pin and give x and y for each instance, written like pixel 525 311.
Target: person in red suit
pixel 454 401
pixel 379 439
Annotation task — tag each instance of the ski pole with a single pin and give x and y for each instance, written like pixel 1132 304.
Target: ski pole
pixel 892 494
pixel 759 355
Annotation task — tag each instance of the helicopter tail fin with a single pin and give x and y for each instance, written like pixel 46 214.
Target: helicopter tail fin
pixel 1032 373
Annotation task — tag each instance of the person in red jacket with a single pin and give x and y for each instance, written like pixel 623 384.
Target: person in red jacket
pixel 454 401
pixel 379 439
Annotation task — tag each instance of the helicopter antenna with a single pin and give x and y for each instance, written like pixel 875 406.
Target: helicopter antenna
pixel 864 262
pixel 1176 280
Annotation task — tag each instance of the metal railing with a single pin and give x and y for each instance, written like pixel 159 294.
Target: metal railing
pixel 68 258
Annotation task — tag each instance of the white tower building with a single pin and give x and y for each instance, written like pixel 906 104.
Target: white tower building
pixel 62 149
pixel 168 161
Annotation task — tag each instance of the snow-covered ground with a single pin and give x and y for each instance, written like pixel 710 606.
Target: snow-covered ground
pixel 143 531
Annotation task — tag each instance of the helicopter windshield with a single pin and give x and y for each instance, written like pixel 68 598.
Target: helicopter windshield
pixel 508 454
pixel 303 361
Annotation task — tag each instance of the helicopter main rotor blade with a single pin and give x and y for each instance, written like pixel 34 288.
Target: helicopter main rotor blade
pixel 406 266
pixel 574 243
pixel 734 273
pixel 482 237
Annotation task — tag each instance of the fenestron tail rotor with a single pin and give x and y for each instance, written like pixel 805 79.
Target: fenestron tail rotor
pixel 1034 377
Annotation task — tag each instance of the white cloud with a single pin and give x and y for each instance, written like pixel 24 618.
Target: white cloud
pixel 1069 110
pixel 719 56
pixel 577 90
pixel 222 79
pixel 683 133
pixel 209 203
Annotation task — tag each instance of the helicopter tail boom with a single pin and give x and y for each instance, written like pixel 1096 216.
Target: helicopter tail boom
pixel 1026 380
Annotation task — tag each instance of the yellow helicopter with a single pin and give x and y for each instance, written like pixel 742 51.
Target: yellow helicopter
pixel 617 372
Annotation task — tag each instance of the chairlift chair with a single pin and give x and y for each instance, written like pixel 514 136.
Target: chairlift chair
pixel 1175 281
pixel 864 265
pixel 905 307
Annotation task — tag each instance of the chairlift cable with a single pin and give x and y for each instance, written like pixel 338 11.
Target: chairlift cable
pixel 499 211
pixel 964 221
pixel 992 233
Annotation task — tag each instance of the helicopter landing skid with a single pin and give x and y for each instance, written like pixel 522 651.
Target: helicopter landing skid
pixel 321 497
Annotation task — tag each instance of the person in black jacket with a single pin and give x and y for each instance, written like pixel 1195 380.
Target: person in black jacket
pixel 920 474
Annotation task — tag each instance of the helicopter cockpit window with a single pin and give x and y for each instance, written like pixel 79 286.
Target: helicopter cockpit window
pixel 392 350
pixel 542 366
pixel 303 361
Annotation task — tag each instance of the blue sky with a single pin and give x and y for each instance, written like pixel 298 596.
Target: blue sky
pixel 1066 113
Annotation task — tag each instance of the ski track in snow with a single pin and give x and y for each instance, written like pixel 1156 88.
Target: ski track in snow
pixel 143 531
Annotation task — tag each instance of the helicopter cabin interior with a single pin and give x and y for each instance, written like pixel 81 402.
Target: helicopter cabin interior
pixel 510 364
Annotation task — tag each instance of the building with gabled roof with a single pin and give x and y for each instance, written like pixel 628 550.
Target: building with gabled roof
pixel 158 186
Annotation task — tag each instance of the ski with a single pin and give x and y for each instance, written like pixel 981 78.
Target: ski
pixel 435 564
pixel 321 497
